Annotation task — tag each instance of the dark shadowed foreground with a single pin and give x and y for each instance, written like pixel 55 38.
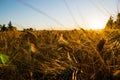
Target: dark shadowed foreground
pixel 60 55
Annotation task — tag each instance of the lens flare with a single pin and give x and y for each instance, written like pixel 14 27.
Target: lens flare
pixel 32 48
pixel 4 58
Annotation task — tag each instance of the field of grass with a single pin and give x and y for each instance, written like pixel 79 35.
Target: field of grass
pixel 60 55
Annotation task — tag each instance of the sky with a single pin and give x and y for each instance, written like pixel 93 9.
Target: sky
pixel 58 14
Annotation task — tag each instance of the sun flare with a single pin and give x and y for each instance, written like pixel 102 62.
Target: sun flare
pixel 97 25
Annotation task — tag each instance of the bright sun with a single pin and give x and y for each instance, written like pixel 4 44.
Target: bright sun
pixel 97 25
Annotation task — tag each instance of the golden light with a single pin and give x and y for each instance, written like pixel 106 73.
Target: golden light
pixel 96 24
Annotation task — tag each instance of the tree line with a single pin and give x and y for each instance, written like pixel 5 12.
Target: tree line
pixel 113 24
pixel 10 27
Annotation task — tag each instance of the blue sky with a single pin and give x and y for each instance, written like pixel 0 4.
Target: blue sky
pixel 89 14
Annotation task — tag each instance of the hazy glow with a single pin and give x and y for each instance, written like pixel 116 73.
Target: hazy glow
pixel 96 24
pixel 32 48
pixel 49 14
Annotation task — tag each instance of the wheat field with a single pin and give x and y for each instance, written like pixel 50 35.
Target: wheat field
pixel 60 55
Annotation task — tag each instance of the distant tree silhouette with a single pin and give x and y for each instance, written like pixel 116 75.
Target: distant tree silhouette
pixel 118 17
pixel 10 25
pixel 110 23
pixel 31 29
pixel 113 24
pixel 118 21
pixel 8 28
pixel 0 26
pixel 3 28
pixel 28 29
